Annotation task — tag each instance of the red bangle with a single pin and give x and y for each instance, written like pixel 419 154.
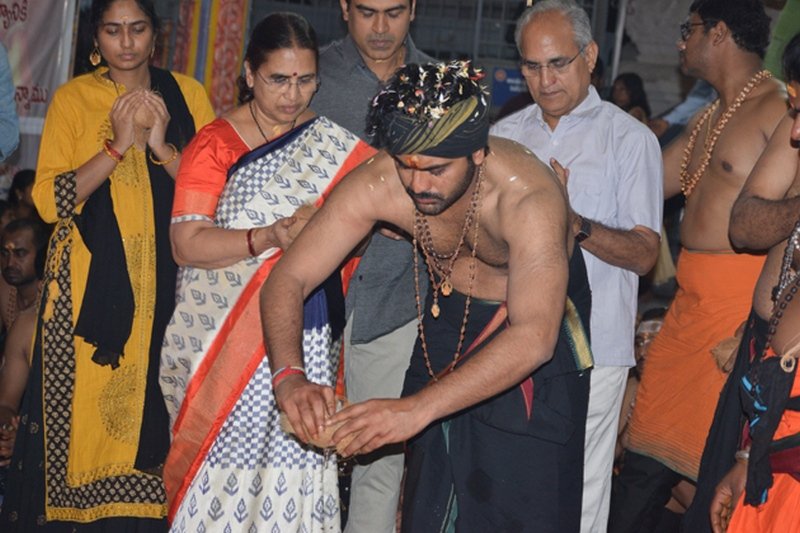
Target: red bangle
pixel 284 373
pixel 250 247
pixel 110 152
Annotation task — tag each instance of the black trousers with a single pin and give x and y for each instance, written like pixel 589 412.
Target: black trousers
pixel 639 493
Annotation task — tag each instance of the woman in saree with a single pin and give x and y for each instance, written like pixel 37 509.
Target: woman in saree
pixel 238 190
pixel 93 430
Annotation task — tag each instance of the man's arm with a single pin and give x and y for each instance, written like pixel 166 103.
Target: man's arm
pixel 635 249
pixel 763 215
pixel 534 227
pixel 13 378
pixel 639 203
pixel 338 227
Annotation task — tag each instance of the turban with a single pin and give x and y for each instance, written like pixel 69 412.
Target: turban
pixel 438 109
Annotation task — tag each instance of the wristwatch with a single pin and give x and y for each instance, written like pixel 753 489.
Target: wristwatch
pixel 585 230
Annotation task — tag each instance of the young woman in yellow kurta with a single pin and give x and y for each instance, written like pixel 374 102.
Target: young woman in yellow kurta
pixel 93 410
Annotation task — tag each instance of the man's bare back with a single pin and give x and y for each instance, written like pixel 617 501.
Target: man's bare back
pixel 705 223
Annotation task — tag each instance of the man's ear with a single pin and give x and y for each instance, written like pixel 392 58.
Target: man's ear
pixel 478 156
pixel 719 32
pixel 345 5
pixel 590 55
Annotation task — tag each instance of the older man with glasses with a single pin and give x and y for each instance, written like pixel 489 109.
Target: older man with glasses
pixel 614 187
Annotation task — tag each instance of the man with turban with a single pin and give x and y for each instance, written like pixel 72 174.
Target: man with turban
pixel 495 399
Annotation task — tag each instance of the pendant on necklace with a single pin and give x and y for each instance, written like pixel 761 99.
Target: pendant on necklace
pixel 447 287
pixel 435 310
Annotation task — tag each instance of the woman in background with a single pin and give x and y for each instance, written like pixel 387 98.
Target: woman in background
pixel 628 94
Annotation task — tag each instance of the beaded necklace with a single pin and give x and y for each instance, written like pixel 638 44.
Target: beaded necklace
pixel 423 239
pixel 786 290
pixel 689 181
pixel 11 307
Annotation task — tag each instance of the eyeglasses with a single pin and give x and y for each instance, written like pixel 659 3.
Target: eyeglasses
pixel 686 28
pixel 558 65
pixel 279 84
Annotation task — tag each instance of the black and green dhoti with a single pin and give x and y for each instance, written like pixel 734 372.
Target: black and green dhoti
pixel 515 461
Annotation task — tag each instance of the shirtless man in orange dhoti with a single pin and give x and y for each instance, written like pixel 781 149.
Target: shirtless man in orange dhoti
pixel 722 42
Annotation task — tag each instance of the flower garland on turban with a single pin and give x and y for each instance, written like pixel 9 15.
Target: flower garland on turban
pixel 436 109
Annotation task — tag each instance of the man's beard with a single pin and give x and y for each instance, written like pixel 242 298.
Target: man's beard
pixel 443 203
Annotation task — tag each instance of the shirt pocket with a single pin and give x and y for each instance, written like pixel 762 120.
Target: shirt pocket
pixel 593 197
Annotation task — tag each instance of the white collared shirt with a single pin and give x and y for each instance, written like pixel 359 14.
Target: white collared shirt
pixel 615 178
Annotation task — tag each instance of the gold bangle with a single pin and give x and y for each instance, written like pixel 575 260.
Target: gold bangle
pixel 172 158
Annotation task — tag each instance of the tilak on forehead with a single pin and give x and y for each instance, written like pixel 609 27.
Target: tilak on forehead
pixel 437 109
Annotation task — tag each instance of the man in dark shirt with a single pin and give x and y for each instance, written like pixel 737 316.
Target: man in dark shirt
pixel 381 328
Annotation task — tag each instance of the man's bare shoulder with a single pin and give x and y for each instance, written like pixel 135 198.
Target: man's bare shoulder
pixel 374 189
pixel 523 181
pixel 516 168
pixel 769 106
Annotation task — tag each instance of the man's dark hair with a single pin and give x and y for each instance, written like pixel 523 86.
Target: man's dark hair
pixel 746 19
pixel 791 60
pixel 410 4
pixel 99 8
pixel 21 181
pixel 41 236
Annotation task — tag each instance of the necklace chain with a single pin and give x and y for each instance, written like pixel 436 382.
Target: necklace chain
pixel 689 181
pixel 258 124
pixel 422 239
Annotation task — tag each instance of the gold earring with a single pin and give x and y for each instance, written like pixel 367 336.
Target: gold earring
pixel 94 57
pixel 152 51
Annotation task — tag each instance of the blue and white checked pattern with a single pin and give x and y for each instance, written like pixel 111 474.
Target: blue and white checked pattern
pixel 254 426
pixel 205 297
pixel 256 478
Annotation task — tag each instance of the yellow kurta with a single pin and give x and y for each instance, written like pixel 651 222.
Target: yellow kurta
pixel 106 404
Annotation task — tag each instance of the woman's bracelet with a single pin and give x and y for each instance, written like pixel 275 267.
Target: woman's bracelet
pixel 110 152
pixel 250 247
pixel 285 372
pixel 171 158
pixel 742 455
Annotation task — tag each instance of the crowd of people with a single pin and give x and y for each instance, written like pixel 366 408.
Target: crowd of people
pixel 204 315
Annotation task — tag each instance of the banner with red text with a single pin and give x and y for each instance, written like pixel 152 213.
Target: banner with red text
pixel 38 35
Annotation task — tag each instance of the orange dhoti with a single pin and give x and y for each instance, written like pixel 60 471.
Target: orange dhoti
pixel 781 511
pixel 681 381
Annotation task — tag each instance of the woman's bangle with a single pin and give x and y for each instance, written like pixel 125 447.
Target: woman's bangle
pixel 110 152
pixel 742 455
pixel 171 158
pixel 285 372
pixel 250 247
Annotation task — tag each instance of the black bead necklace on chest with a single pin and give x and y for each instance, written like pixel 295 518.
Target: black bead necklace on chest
pixel 785 292
pixel 258 124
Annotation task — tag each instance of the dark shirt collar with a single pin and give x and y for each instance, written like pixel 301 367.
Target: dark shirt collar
pixel 353 57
